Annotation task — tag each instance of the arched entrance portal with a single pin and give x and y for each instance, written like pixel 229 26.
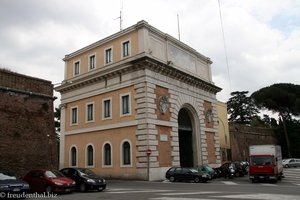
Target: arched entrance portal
pixel 185 133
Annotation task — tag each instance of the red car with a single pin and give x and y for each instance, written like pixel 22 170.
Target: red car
pixel 49 181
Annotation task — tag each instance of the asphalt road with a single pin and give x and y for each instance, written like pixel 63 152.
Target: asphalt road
pixel 237 188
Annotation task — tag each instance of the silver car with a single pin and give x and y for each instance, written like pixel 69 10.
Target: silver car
pixel 291 162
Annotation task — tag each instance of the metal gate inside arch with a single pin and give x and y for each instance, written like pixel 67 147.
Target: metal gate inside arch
pixel 185 134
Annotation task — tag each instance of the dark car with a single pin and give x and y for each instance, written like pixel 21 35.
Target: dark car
pixel 185 174
pixel 9 183
pixel 85 179
pixel 226 170
pixel 245 166
pixel 207 169
pixel 49 181
pixel 239 169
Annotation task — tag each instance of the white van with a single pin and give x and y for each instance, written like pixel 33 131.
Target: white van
pixel 291 162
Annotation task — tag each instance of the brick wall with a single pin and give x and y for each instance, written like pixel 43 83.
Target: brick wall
pixel 242 136
pixel 27 133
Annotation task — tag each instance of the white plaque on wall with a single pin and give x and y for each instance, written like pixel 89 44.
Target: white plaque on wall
pixel 163 137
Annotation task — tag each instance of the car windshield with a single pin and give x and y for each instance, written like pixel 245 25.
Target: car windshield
pixel 5 175
pixel 54 174
pixel 86 172
pixel 209 168
pixel 261 160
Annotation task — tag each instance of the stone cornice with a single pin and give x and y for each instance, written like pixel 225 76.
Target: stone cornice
pixel 137 26
pixel 139 62
pixel 98 75
pixel 168 70
pixel 29 93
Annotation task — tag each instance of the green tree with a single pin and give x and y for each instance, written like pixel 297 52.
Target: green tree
pixel 241 108
pixel 281 98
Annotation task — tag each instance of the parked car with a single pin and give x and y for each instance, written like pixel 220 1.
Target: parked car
pixel 208 170
pixel 291 162
pixel 222 170
pixel 186 174
pixel 239 169
pixel 245 166
pixel 9 183
pixel 227 169
pixel 49 181
pixel 85 179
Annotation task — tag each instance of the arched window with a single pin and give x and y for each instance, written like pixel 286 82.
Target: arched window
pixel 73 156
pixel 107 154
pixel 90 155
pixel 126 153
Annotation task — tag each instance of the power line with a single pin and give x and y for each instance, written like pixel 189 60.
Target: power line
pixel 224 43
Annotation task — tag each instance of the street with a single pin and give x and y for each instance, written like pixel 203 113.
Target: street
pixel 238 188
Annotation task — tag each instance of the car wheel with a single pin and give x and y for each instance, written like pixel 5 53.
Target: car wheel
pixel 48 189
pixel 172 178
pixel 196 179
pixel 287 166
pixel 82 187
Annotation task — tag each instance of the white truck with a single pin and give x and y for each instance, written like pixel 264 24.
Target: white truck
pixel 265 163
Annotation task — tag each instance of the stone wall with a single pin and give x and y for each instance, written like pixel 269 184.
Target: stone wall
pixel 27 132
pixel 242 136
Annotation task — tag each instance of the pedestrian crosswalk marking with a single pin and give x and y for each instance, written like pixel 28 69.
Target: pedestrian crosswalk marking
pixel 188 193
pixel 260 196
pixel 122 191
pixel 229 183
pixel 268 184
pixel 176 198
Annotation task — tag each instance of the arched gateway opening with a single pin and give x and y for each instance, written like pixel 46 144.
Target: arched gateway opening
pixel 185 133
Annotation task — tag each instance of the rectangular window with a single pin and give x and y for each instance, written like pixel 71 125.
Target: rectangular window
pixel 92 62
pixel 74 115
pixel 90 112
pixel 126 49
pixel 107 108
pixel 76 68
pixel 108 55
pixel 125 104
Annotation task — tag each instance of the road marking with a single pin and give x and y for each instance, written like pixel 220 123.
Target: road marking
pixel 118 189
pixel 268 184
pixel 261 196
pixel 122 191
pixel 176 198
pixel 188 193
pixel 229 183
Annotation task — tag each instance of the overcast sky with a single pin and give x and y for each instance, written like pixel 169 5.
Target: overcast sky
pixel 262 37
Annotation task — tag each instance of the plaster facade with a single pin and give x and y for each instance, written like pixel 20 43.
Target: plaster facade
pixel 153 82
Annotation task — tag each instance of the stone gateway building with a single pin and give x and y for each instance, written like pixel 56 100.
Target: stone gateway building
pixel 136 103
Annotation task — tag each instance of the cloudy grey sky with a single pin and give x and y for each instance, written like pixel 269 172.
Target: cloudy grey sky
pixel 262 36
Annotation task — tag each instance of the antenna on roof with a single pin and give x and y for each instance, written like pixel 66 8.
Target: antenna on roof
pixel 121 16
pixel 178 27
